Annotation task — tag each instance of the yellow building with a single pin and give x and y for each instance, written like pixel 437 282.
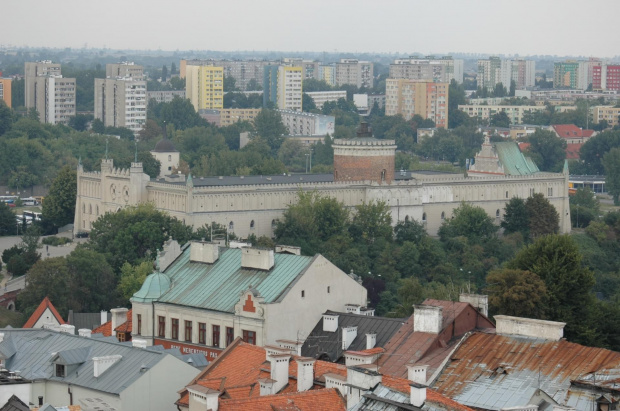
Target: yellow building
pixel 5 90
pixel 204 86
pixel 609 113
pixel 411 97
pixel 230 116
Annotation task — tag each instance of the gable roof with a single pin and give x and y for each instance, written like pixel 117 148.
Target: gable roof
pixel 407 346
pixel 45 304
pixel 571 131
pixel 492 371
pixel 106 328
pixel 15 404
pixel 513 160
pixel 328 343
pixel 218 286
pixel 328 399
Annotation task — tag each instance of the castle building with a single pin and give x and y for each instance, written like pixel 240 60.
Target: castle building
pixel 363 172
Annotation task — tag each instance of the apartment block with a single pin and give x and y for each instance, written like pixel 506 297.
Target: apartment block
pixel 229 116
pixel 164 96
pixel 354 72
pixel 485 112
pixel 124 69
pixel 523 73
pixel 121 102
pixel 48 92
pixel 5 91
pixel 328 74
pixel 282 85
pixel 204 87
pixel 243 71
pixel 570 74
pixel 606 77
pixel 307 124
pixel 608 113
pixel 410 97
pixel 322 97
pixel 494 70
pixel 309 68
pixel 442 70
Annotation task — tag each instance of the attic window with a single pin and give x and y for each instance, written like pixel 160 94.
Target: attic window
pixel 60 370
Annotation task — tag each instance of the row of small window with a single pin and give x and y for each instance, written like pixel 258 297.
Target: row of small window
pixel 248 336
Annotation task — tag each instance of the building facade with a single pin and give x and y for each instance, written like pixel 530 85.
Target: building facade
pixel 493 71
pixel 441 70
pixel 523 73
pixel 327 73
pixel 485 112
pixel 164 96
pixel 354 72
pixel 607 113
pixel 321 97
pixel 204 87
pixel 606 77
pixel 309 68
pixel 5 91
pixel 282 86
pixel 49 93
pixel 570 74
pixel 124 69
pixel 307 124
pixel 410 97
pixel 122 101
pixel 244 72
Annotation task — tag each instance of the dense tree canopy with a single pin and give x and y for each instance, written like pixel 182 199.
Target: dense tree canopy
pixel 470 222
pixel 59 204
pixel 547 150
pixel 517 293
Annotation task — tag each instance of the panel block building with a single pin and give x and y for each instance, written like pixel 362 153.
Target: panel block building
pixel 5 91
pixel 354 72
pixel 52 95
pixel 411 97
pixel 204 87
pixel 282 85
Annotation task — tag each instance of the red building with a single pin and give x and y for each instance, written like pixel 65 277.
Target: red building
pixel 606 77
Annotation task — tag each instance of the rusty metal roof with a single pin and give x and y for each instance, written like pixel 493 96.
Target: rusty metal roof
pixel 492 372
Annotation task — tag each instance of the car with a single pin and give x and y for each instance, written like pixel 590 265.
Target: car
pixel 12 205
pixel 82 234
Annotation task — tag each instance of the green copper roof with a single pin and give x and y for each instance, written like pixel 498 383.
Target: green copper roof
pixel 154 286
pixel 219 286
pixel 513 160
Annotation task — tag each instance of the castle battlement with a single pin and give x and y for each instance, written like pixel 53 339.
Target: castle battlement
pixel 363 142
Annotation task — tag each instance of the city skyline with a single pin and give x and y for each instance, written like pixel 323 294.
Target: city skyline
pixel 526 27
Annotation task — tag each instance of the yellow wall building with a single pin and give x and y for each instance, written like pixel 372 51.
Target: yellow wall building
pixel 609 113
pixel 411 97
pixel 204 86
pixel 5 90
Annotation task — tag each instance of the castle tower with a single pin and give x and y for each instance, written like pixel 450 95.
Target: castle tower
pixel 364 158
pixel 168 156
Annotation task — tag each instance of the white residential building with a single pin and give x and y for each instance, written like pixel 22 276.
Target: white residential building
pixel 321 97
pixel 121 102
pixel 354 72
pixel 442 70
pixel 46 90
pixel 307 124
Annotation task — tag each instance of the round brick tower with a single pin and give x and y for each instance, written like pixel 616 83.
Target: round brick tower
pixel 364 158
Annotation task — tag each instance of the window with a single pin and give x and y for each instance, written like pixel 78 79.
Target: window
pixel 169 157
pixel 202 333
pixel 424 217
pixel 216 336
pixel 497 213
pixel 231 225
pixel 188 331
pixel 252 224
pixel 443 215
pixel 328 289
pixel 120 337
pixel 532 192
pixel 506 194
pixel 60 370
pixel 161 332
pixel 303 293
pixel 230 335
pixel 249 337
pixel 550 192
pixel 175 329
pixel 139 324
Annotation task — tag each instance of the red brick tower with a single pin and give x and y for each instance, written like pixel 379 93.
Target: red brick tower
pixel 364 158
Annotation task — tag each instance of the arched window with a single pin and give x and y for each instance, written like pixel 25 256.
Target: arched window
pixel 443 215
pixel 383 175
pixel 90 209
pixel 252 224
pixel 83 208
pixel 231 226
pixel 424 217
pixel 497 213
pixel 406 218
pixel 169 157
pixel 273 224
pixel 97 209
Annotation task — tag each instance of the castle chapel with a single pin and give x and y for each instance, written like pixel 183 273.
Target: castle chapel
pixel 363 172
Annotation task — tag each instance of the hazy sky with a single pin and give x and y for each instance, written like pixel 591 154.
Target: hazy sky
pixel 556 27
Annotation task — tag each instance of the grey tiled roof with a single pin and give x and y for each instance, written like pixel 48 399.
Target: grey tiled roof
pixel 324 343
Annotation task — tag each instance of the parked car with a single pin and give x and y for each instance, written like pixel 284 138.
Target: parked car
pixel 82 234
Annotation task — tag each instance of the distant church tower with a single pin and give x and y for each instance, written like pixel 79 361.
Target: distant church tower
pixel 167 155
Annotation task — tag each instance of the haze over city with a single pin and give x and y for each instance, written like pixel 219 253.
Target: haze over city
pixel 525 27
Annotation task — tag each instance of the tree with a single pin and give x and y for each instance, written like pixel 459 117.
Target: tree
pixel 371 221
pixel 151 131
pixel 584 207
pixel 6 117
pixel 409 230
pixel 293 154
pixel 593 151
pixel 80 122
pixel 543 217
pixel 307 103
pixel 269 126
pixel 468 221
pixel 7 221
pixel 179 112
pixel 48 278
pixel 97 126
pixel 164 73
pixel 611 162
pixel 548 150
pixel 518 293
pixel 557 261
pixel 89 274
pixel 134 234
pixel 516 217
pixel 253 85
pixel 59 204
pixel 132 278
pixel 500 119
pixel 230 84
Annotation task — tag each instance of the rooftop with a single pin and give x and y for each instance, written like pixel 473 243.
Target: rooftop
pixel 45 305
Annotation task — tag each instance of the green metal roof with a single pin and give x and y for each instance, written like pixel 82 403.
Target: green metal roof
pixel 153 287
pixel 513 160
pixel 218 286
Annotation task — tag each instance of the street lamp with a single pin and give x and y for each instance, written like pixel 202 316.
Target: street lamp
pixel 307 162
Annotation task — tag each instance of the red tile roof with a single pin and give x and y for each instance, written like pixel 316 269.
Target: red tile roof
pixel 571 131
pixel 371 351
pixel 328 399
pixel 106 328
pixel 45 304
pixel 572 151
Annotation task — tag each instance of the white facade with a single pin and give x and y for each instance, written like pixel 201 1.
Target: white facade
pixel 321 97
pixel 307 124
pixel 485 112
pixel 354 72
pixel 442 70
pixel 121 102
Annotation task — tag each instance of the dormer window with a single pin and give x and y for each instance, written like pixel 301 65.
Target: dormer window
pixel 60 370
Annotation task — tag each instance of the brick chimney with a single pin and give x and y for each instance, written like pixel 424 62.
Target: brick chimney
pixel 348 335
pixel 279 371
pixel 257 258
pixel 119 316
pixel 204 252
pixel 266 386
pixel 417 395
pixel 371 340
pixel 330 323
pixel 305 373
pixel 427 319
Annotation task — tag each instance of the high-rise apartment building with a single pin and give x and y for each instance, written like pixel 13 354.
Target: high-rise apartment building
pixel 411 97
pixel 204 87
pixel 5 91
pixel 571 74
pixel 120 99
pixel 494 70
pixel 606 77
pixel 328 74
pixel 444 69
pixel 48 92
pixel 523 73
pixel 355 72
pixel 243 71
pixel 282 85
pixel 309 68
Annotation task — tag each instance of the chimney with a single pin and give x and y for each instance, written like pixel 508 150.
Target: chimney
pixel 348 335
pixel 330 323
pixel 417 373
pixel 417 394
pixel 67 328
pixel 479 301
pixel 427 319
pixel 104 316
pixel 1 337
pixel 353 308
pixel 257 258
pixel 305 373
pixel 279 371
pixel 101 364
pixel 266 386
pixel 528 327
pixel 203 398
pixel 85 332
pixel 371 340
pixel 288 249
pixel 170 252
pixel 204 252
pixel 119 316
pixel 138 343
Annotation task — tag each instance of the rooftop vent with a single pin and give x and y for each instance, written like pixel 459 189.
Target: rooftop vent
pixel 204 252
pixel 257 258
